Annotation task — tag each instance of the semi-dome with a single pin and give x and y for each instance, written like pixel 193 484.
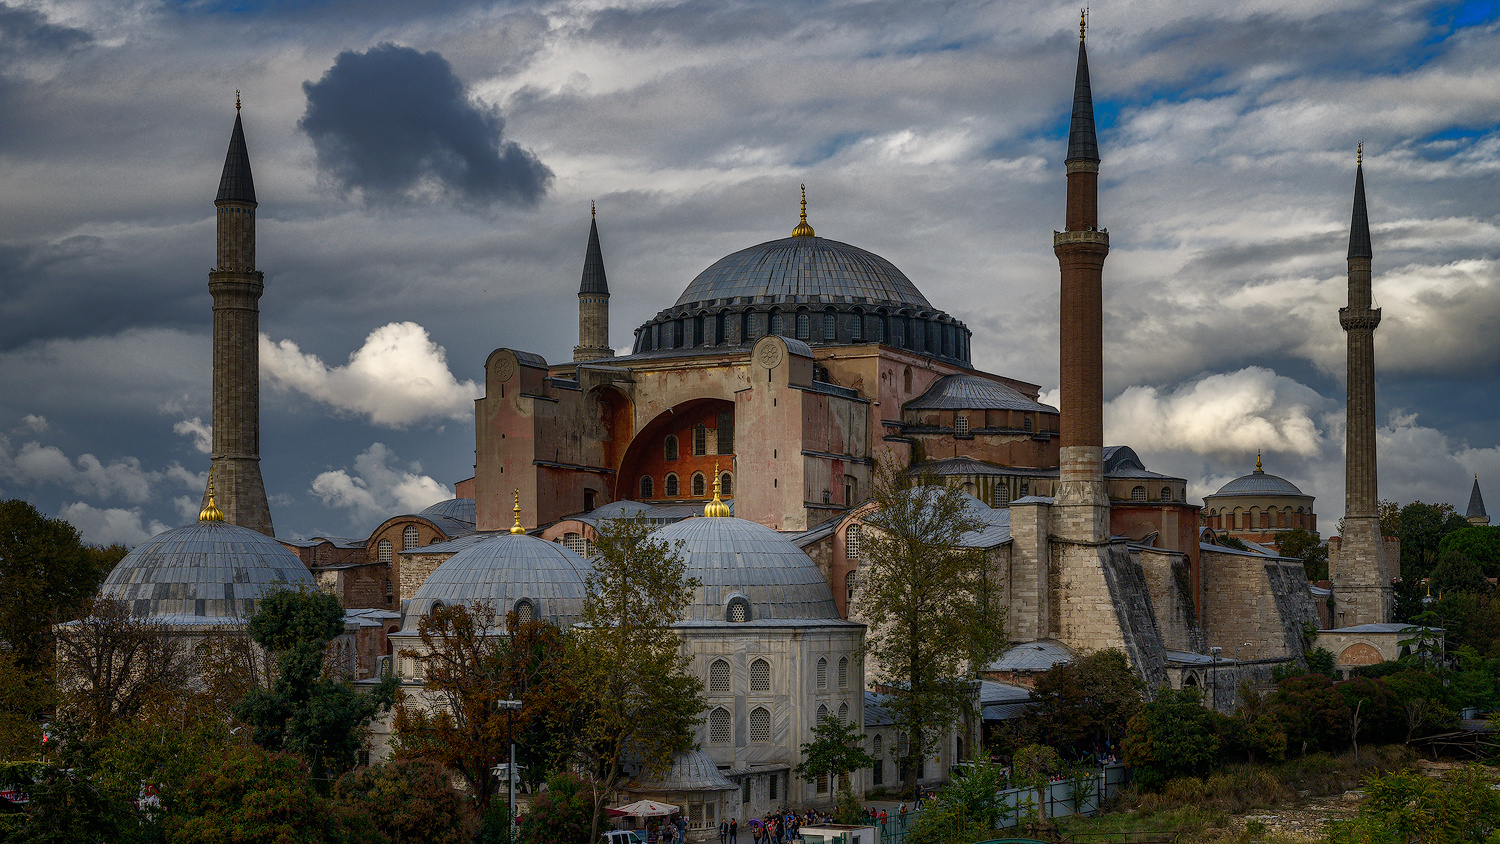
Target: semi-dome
pixel 461 509
pixel 800 268
pixel 506 570
pixel 742 562
pixel 211 570
pixel 973 392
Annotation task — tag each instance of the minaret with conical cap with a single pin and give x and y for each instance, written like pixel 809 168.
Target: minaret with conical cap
pixel 593 300
pixel 1081 511
pixel 1361 574
pixel 236 286
pixel 1476 515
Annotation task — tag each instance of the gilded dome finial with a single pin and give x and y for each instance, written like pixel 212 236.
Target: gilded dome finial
pixel 516 528
pixel 236 101
pixel 1083 22
pixel 716 508
pixel 593 212
pixel 210 511
pixel 1359 155
pixel 803 229
pixel 1257 460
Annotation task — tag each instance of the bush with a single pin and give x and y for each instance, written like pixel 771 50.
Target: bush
pixel 562 814
pixel 410 802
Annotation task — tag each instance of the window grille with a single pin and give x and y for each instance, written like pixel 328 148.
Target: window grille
pixel 854 539
pixel 961 426
pixel 525 612
pixel 775 781
pixel 671 486
pixel 1138 494
pixel 843 713
pixel 718 676
pixel 776 327
pixel 745 791
pixel 760 724
pixel 902 746
pixel 573 542
pixel 1166 493
pixel 719 726
pixel 760 676
pixel 409 538
pixel 700 440
pixel 857 328
pixel 739 611
pixel 384 550
pixel 822 783
pixel 823 713
pixel 1026 424
pixel 804 327
pixel 647 487
pixel 843 672
pixel 726 484
pixel 999 496
pixel 669 447
pixel 700 486
pixel 877 745
pixel 822 673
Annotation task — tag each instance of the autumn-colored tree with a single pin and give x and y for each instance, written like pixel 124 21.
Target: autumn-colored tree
pixel 1312 712
pixel 561 814
pixel 410 801
pixel 933 606
pixel 644 703
pixel 112 664
pixel 1381 719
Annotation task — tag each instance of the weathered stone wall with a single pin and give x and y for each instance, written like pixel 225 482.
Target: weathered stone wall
pixel 1255 604
pixel 1169 579
pixel 1100 599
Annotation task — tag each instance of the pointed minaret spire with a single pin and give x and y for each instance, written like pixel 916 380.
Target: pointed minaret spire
pixel 593 300
pixel 236 183
pixel 1476 515
pixel 1082 143
pixel 1359 228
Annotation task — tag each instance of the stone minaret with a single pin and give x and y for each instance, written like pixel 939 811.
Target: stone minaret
pixel 1361 578
pixel 236 287
pixel 1081 511
pixel 593 301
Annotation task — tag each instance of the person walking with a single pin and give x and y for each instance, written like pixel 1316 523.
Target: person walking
pixel 723 832
pixel 734 830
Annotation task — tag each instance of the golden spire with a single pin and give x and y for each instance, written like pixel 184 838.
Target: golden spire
pixel 1083 22
pixel 1257 460
pixel 803 229
pixel 210 511
pixel 1359 155
pixel 716 508
pixel 516 528
pixel 593 212
pixel 236 101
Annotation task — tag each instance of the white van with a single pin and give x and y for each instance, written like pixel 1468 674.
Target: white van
pixel 623 836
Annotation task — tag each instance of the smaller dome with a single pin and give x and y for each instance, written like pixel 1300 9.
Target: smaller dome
pixel 209 569
pixel 738 557
pixel 503 570
pixel 461 509
pixel 972 392
pixel 1260 483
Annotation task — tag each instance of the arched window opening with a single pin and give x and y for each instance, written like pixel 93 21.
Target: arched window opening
pixel 822 674
pixel 776 323
pixel 843 713
pixel 1000 495
pixel 726 484
pixel 720 723
pixel 573 542
pixel 670 487
pixel 906 379
pixel 843 672
pixel 409 538
pixel 1166 493
pixel 738 611
pixel 648 489
pixel 1138 494
pixel 851 490
pixel 961 426
pixel 760 725
pixel 719 675
pixel 700 440
pixel 760 676
pixel 383 550
pixel 525 612
pixel 854 539
pixel 857 327
pixel 669 447
pixel 699 485
pixel 804 326
pixel 823 713
pixel 698 330
pixel 876 745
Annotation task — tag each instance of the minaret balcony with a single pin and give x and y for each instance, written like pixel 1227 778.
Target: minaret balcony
pixel 1099 237
pixel 1362 319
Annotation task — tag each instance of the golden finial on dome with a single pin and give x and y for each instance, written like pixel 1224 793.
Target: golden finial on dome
pixel 593 212
pixel 1359 155
pixel 1257 460
pixel 1083 21
pixel 210 511
pixel 716 508
pixel 803 229
pixel 516 528
pixel 236 102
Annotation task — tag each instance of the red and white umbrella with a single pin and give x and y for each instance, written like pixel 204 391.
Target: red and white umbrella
pixel 643 809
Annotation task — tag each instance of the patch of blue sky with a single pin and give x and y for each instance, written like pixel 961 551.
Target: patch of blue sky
pixel 1468 13
pixel 919 47
pixel 830 147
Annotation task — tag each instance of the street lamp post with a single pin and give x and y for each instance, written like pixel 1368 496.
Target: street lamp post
pixel 1216 651
pixel 510 772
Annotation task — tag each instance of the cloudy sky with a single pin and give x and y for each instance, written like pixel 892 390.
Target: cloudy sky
pixel 424 172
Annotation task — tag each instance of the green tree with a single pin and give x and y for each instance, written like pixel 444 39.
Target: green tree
pixel 1480 544
pixel 644 703
pixel 1171 736
pixel 1389 513
pixel 1381 718
pixel 933 607
pixel 1311 711
pixel 409 801
pixel 561 814
pixel 1255 731
pixel 47 576
pixel 965 810
pixel 1301 544
pixel 1422 528
pixel 308 711
pixel 837 748
pixel 1081 703
pixel 1409 807
pixel 70 804
pixel 1456 572
pixel 25 698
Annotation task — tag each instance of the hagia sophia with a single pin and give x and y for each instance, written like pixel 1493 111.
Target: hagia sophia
pixel 747 421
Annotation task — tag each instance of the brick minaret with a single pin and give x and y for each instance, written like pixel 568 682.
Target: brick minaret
pixel 236 287
pixel 593 301
pixel 1361 577
pixel 1081 511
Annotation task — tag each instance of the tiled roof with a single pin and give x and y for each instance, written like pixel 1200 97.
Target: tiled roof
pixel 738 557
pixel 803 266
pixel 503 568
pixel 1039 655
pixel 461 509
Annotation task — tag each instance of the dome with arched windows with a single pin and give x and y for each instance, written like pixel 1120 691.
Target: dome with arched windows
pixel 510 572
pixel 742 563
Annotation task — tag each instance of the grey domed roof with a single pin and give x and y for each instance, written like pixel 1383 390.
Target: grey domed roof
pixel 803 267
pixel 209 570
pixel 973 392
pixel 461 509
pixel 738 557
pixel 1259 483
pixel 502 570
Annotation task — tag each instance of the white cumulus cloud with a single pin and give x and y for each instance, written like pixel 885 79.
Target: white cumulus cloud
pixel 37 424
pixel 398 377
pixel 202 434
pixel 377 488
pixel 106 526
pixel 35 463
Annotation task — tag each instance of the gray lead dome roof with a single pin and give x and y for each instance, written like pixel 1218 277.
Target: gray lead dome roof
pixel 502 570
pixel 795 268
pixel 209 570
pixel 1260 483
pixel 736 557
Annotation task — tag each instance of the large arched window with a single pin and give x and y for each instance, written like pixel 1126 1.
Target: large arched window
pixel 823 713
pixel 648 489
pixel 777 324
pixel 720 724
pixel 726 484
pixel 760 725
pixel 719 675
pixel 830 326
pixel 804 326
pixel 877 745
pixel 670 488
pixel 409 538
pixel 760 676
pixel 700 439
pixel 699 485
pixel 383 550
pixel 669 447
pixel 822 673
pixel 857 327
pixel 1138 494
pixel 843 713
pixel 854 541
pixel 843 672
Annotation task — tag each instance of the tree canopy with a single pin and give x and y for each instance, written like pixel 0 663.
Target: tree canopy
pixel 1480 544
pixel 1081 703
pixel 47 575
pixel 837 748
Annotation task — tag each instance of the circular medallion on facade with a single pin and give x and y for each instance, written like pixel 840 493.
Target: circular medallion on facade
pixel 505 367
pixel 769 354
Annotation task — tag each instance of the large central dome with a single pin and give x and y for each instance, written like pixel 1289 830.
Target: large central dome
pixel 804 269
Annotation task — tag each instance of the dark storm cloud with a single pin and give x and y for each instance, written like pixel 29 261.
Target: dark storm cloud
pixel 393 123
pixel 27 30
